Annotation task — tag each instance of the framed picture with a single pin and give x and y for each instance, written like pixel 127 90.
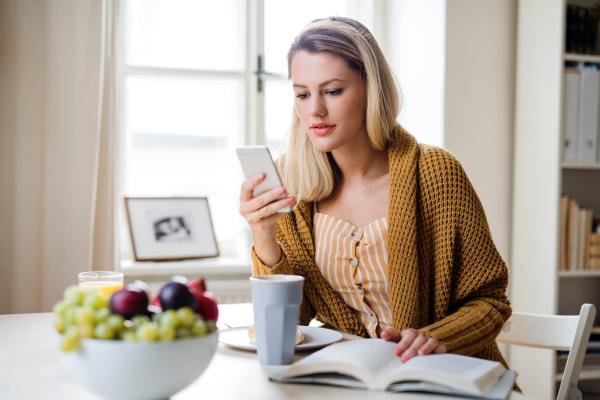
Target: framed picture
pixel 169 229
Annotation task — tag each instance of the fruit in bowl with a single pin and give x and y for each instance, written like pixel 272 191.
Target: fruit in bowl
pixel 122 348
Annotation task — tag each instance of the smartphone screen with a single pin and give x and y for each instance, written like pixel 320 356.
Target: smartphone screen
pixel 257 160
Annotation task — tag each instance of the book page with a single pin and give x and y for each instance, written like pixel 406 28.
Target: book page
pixel 468 373
pixel 362 359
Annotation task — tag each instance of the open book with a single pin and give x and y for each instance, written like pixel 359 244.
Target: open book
pixel 372 364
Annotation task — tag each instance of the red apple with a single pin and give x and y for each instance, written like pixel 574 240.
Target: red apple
pixel 156 303
pixel 206 305
pixel 197 284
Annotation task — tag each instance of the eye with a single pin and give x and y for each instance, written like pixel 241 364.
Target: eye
pixel 301 96
pixel 335 92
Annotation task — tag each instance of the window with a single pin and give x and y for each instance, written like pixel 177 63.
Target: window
pixel 194 92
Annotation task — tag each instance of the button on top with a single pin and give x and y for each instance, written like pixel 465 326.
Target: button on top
pixel 360 290
pixel 372 318
pixel 354 261
pixel 356 233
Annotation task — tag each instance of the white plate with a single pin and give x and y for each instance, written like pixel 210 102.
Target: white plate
pixel 314 338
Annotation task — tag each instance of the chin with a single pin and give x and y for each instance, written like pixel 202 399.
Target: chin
pixel 324 146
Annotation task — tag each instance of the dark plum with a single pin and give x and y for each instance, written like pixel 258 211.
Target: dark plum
pixel 175 295
pixel 129 301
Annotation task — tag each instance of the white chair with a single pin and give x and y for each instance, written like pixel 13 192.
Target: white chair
pixel 557 332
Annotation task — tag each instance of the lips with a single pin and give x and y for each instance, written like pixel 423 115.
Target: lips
pixel 321 128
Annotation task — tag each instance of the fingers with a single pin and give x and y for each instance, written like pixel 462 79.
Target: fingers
pixel 391 335
pixel 272 210
pixel 264 199
pixel 441 349
pixel 413 342
pixel 249 185
pixel 409 344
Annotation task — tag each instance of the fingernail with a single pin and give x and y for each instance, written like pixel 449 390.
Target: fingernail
pixel 260 177
pixel 281 190
pixel 290 199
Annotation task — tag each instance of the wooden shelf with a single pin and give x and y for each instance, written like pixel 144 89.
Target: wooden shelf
pixel 571 165
pixel 587 373
pixel 579 274
pixel 582 57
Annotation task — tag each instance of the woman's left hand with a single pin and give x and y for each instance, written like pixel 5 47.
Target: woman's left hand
pixel 412 342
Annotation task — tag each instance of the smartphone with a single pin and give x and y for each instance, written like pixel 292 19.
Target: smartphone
pixel 257 160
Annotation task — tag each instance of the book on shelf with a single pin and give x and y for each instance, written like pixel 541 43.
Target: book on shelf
pixel 581 29
pixel 371 364
pixel 579 237
pixel 593 255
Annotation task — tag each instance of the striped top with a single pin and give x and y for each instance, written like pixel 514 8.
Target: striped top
pixel 354 262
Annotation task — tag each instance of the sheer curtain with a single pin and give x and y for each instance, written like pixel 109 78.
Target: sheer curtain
pixel 58 147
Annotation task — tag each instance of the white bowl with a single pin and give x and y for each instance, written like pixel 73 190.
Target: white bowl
pixel 139 371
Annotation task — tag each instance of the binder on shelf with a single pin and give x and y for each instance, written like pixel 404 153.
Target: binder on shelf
pixel 587 132
pixel 570 121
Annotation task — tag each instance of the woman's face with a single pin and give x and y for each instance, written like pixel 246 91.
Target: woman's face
pixel 330 99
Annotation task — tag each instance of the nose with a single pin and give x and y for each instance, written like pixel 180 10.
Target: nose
pixel 317 107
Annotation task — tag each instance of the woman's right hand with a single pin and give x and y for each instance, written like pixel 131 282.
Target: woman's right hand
pixel 253 208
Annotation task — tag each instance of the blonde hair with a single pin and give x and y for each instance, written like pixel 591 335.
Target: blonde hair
pixel 308 173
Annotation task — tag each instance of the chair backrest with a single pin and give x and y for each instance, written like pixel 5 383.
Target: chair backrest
pixel 557 332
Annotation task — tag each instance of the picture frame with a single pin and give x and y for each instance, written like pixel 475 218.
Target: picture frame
pixel 170 228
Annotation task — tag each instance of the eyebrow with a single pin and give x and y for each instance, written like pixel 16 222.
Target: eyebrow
pixel 322 84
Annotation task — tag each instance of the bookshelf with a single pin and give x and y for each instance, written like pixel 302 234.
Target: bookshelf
pixel 539 178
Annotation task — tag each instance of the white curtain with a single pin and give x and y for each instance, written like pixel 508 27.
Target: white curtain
pixel 58 147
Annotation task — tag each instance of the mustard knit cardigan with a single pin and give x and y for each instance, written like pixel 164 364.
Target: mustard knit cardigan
pixel 446 277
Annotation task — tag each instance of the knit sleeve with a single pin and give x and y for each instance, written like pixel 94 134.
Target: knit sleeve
pixel 283 267
pixel 259 268
pixel 476 273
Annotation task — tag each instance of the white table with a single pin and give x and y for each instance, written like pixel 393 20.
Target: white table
pixel 30 369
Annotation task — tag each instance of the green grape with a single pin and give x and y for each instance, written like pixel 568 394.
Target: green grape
pixel 93 299
pixel 200 328
pixel 69 342
pixel 170 318
pixel 101 314
pixel 103 331
pixel 85 315
pixel 127 324
pixel 211 326
pixel 186 317
pixel 156 317
pixel 128 336
pixel 60 323
pixel 60 307
pixel 73 295
pixel 183 332
pixel 70 313
pixel 86 331
pixel 147 332
pixel 166 333
pixel 115 322
pixel 139 320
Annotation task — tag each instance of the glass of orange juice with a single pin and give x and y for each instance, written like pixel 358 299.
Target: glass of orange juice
pixel 107 282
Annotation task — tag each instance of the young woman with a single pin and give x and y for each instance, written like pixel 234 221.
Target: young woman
pixel 388 233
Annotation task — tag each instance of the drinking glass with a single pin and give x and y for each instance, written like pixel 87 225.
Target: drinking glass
pixel 107 282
